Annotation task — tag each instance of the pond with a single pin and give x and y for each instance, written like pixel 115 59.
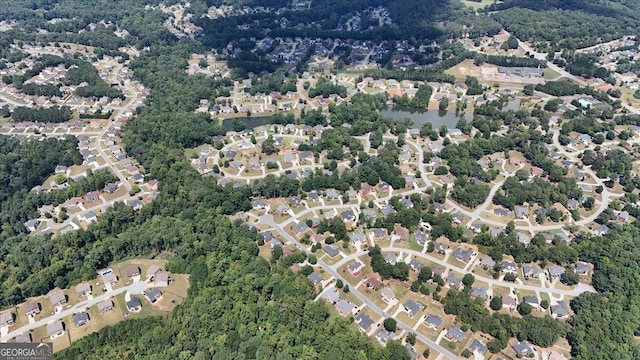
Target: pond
pixel 421 117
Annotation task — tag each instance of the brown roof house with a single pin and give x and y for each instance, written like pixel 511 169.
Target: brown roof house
pixel 132 270
pixel 31 308
pixel 105 305
pixel 83 289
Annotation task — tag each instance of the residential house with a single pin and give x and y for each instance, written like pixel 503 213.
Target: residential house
pixel 379 233
pixel 536 171
pixel 383 336
pixel 7 319
pixel 433 321
pixel 400 234
pixel 31 308
pixel 478 347
pixel 299 228
pixel 531 300
pixel 509 302
pixel 331 250
pixel 55 329
pixel 83 289
pixel 559 311
pixel 152 294
pixel 369 214
pixel 161 279
pixel 32 224
pixel 58 299
pixel 391 259
pixel 583 268
pixel 132 270
pixel 623 216
pixel 316 278
pixel 522 349
pixel 110 278
pixel 388 210
pixel 134 305
pixel 412 308
pixel 552 355
pixel 344 307
pixel 364 322
pixel 486 263
pixel 105 305
pixel 24 338
pixel 152 271
pixel 522 212
pixel 358 238
pixel 373 283
pixel 454 333
pixel 440 248
pixel 457 219
pixel 501 212
pixel 509 266
pixel 530 271
pixel 355 268
pixel 463 255
pixel 81 319
pixel 387 295
pixel 349 215
pixel 331 295
pixel 259 205
pixel 479 293
pixel 555 272
pixel 454 281
pixel 416 265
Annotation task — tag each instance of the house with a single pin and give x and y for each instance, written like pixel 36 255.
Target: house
pixel 331 295
pixel 388 210
pixel 152 270
pixel 152 294
pixel 331 250
pixel 61 169
pixel 421 237
pixel 555 356
pixel 463 255
pixel 454 333
pixel 90 216
pixel 559 311
pixel 259 205
pixel 411 307
pixel 134 305
pixel 110 278
pixel 105 305
pixel 509 302
pixel 602 230
pixel 623 217
pixel 31 308
pixel 453 281
pixel 92 196
pixel 364 322
pixel 315 278
pixel 24 338
pixel 416 265
pixel 583 268
pixel 332 194
pixel 349 215
pixel 536 171
pixel 501 212
pixel 374 283
pixel 478 347
pixel 400 234
pixel 369 214
pixel 7 319
pixel 522 349
pixel 299 228
pixel 487 263
pixel 479 293
pixel 32 224
pixel 55 329
pixel 161 279
pixel 296 201
pixel 379 233
pixel 508 266
pixel 387 295
pixel 532 300
pixel 345 307
pixel 555 272
pixel 355 268
pixel 83 289
pixel 522 212
pixel 530 271
pixel 440 248
pixel 383 336
pixel 457 219
pixel 358 238
pixel 58 299
pixel 81 319
pixel 132 270
pixel 433 321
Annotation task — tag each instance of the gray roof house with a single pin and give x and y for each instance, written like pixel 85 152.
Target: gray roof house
pixel 582 268
pixel 530 271
pixel 300 227
pixel 7 319
pixel 58 299
pixel 344 307
pixel 55 329
pixel 349 215
pixel 152 295
pixel 391 259
pixel 411 307
pixel 388 210
pixel 331 295
pixel 31 308
pixel 453 281
pixel 421 237
pixel 508 266
pixel 24 338
pixel 433 321
pixel 387 295
pixel 440 248
pixel 331 250
pixel 521 212
pixel 479 292
pixel 358 238
pixel 315 277
pixel 355 268
pixel 416 265
pixel 531 300
pixel 134 305
pixel 83 289
pixel 463 255
pixel 105 305
pixel 364 322
pixel 522 349
pixel 80 319
pixel 555 271
pixel 383 336
pixel 487 262
pixel 559 311
pixel 478 347
pixel 454 333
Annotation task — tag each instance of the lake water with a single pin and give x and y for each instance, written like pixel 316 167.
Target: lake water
pixel 419 118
